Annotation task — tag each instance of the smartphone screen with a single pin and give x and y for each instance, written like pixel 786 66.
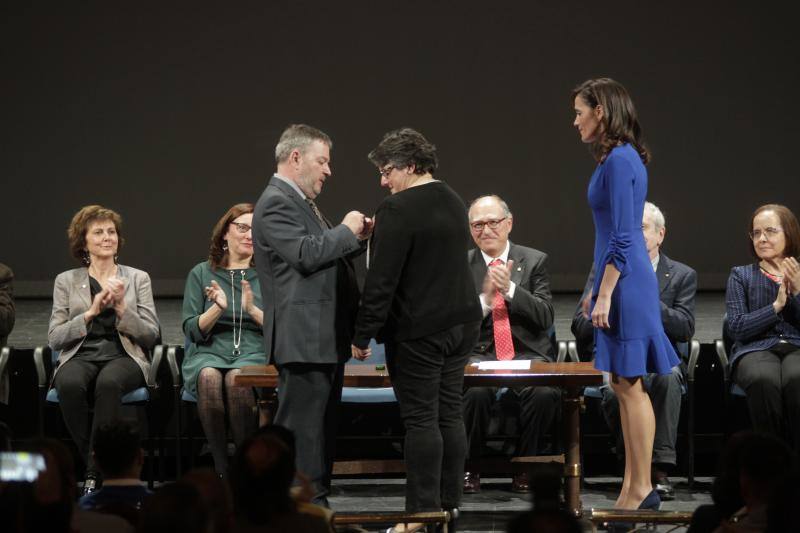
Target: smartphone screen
pixel 20 466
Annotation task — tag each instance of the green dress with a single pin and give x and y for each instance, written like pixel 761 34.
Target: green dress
pixel 216 348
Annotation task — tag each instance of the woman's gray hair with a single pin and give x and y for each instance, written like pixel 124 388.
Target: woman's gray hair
pixel 655 215
pixel 298 137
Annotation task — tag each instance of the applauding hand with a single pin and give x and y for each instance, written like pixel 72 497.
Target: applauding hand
pixel 215 294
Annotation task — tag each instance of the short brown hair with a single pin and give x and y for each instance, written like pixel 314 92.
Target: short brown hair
pixel 217 255
pixel 791 229
pixel 76 232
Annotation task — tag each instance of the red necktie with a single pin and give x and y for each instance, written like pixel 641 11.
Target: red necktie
pixel 503 344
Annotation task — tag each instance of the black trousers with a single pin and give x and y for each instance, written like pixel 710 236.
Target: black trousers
pixel 428 380
pixel 771 380
pixel 538 409
pixel 108 382
pixel 665 391
pixel 308 404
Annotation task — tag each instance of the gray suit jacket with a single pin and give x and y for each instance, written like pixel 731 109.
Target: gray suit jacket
pixel 138 329
pixel 677 285
pixel 308 285
pixel 530 311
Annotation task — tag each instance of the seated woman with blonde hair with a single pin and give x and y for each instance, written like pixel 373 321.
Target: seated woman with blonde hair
pixel 222 320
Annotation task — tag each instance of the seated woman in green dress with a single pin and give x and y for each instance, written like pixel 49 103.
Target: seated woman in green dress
pixel 222 320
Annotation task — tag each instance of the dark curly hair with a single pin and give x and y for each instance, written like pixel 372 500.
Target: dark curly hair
pixel 76 232
pixel 403 148
pixel 217 255
pixel 619 121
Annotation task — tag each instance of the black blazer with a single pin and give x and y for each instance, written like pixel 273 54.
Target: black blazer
pixel 530 311
pixel 677 285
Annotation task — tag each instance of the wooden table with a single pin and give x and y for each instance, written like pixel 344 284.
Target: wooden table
pixel 570 377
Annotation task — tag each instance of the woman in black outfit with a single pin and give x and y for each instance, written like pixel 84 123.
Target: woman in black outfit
pixel 420 300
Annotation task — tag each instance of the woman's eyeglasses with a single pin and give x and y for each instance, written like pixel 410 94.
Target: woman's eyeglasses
pixel 769 233
pixel 241 227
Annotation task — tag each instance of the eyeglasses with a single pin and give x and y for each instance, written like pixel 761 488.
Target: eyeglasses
pixel 477 227
pixel 385 171
pixel 241 227
pixel 769 233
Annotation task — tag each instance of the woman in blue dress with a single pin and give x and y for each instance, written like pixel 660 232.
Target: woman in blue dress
pixel 629 336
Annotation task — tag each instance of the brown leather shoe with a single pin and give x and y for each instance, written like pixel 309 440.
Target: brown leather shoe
pixel 472 482
pixel 520 483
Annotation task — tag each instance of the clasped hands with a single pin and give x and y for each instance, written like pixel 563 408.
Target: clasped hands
pixel 790 284
pixel 359 224
pixel 112 295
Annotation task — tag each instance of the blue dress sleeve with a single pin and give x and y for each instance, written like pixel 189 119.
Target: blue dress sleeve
pixel 619 177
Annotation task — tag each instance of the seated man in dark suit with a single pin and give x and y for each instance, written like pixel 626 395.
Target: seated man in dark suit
pixel 518 311
pixel 118 454
pixel 677 285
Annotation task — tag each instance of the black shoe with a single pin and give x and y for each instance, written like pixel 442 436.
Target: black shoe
pixel 472 482
pixel 452 525
pixel 664 488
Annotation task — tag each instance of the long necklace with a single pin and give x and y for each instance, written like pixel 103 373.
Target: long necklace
pixel 237 340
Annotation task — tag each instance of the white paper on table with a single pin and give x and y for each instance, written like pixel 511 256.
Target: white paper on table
pixel 514 364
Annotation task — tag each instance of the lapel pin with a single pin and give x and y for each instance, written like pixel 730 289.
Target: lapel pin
pixel 666 275
pixel 519 269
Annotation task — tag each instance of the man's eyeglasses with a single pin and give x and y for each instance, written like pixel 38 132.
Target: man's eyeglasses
pixel 385 171
pixel 241 227
pixel 477 227
pixel 769 233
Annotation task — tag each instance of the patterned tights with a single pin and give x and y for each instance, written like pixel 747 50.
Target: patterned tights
pixel 216 391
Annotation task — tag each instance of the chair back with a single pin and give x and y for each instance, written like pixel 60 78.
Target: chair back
pixel 378 356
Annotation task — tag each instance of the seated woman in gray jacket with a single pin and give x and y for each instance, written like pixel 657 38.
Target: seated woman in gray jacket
pixel 222 318
pixel 103 323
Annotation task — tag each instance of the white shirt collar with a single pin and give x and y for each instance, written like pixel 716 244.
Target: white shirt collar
pixel 292 184
pixel 503 257
pixel 655 261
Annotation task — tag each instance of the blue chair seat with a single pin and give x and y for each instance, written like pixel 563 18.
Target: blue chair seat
pixel 365 394
pixel 368 395
pixel 187 396
pixel 142 394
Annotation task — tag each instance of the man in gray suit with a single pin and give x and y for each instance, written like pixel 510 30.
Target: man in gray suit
pixel 677 287
pixel 515 278
pixel 310 296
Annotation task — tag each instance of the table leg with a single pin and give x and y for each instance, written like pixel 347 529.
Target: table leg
pixel 571 404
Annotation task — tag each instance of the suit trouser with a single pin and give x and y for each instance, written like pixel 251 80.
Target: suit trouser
pixel 665 394
pixel 112 380
pixel 308 404
pixel 771 380
pixel 538 409
pixel 428 378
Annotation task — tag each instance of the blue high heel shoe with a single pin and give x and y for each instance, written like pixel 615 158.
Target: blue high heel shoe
pixel 652 502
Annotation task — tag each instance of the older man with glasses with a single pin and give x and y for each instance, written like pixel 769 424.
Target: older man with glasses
pixel 517 314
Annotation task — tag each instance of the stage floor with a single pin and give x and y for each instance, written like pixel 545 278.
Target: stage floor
pixel 33 315
pixel 493 507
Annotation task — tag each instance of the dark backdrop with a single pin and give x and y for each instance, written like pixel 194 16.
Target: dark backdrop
pixel 169 114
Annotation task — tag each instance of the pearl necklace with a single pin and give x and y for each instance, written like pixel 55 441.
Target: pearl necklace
pixel 237 340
